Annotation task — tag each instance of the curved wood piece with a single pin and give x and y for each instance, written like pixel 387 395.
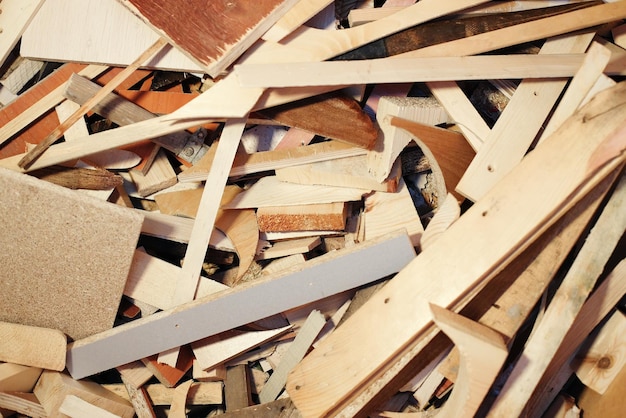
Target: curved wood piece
pixel 483 352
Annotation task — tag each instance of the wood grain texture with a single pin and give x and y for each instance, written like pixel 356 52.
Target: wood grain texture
pixel 32 346
pixel 39 219
pixel 15 17
pixel 214 34
pixel 18 378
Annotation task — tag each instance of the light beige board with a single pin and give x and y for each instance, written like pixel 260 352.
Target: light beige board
pixel 102 32
pixel 58 245
pixel 32 346
pixel 15 17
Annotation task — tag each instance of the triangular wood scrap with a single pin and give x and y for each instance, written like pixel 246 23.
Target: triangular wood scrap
pixel 269 191
pixel 331 115
pixel 213 43
pixel 340 172
pixel 385 212
pixel 289 247
pixel 311 217
pixel 166 374
pixel 18 378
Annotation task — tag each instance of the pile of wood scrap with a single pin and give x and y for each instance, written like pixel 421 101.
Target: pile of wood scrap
pixel 307 208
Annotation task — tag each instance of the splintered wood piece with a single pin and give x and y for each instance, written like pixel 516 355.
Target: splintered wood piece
pixel 565 305
pixel 603 356
pixel 79 178
pixel 297 16
pixel 270 160
pixel 483 239
pixel 519 124
pixel 596 59
pixel 461 110
pixel 23 403
pixel 237 388
pixel 447 212
pixel 31 109
pixel 79 128
pixel 161 175
pixel 42 146
pixel 75 407
pixel 100 42
pixel 18 378
pixel 406 70
pixel 326 115
pixel 447 151
pixel 220 348
pixel 341 172
pixel 32 346
pixel 134 374
pixel 311 217
pixel 385 212
pixel 168 375
pixel 288 248
pixel 596 308
pixel 269 191
pixel 141 338
pixel 179 400
pixel 53 387
pixel 15 17
pixel 213 43
pixel 483 352
pixel 57 229
pixel 301 344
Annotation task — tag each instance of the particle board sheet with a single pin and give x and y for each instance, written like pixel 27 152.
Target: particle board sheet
pixel 102 32
pixel 65 256
pixel 213 33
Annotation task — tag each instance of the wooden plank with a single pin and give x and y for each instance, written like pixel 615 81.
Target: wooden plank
pixel 418 69
pixel 100 42
pixel 294 18
pixel 115 82
pixel 443 282
pixel 105 233
pixel 203 393
pixel 385 212
pixel 75 407
pixel 518 125
pixel 32 346
pixel 16 16
pixel 237 388
pixel 601 358
pixel 270 160
pixel 378 258
pixel 309 217
pixel 53 387
pixel 301 344
pixel 18 378
pixel 285 194
pixel 213 43
pixel 564 307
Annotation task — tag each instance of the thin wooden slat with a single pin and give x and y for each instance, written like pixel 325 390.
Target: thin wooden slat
pixel 317 387
pixel 295 17
pixel 204 393
pixel 378 258
pixel 15 17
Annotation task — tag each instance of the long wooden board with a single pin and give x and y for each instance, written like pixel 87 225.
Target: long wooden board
pixel 14 19
pixel 481 242
pixel 318 278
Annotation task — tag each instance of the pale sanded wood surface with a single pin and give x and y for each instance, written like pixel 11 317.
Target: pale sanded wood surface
pixel 23 403
pixel 76 407
pixel 14 19
pixel 287 248
pixel 179 400
pixel 213 43
pixel 32 346
pixel 38 219
pixel 378 258
pixel 53 387
pixel 99 42
pixel 315 374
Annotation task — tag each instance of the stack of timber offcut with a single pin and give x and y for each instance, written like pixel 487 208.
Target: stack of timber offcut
pixel 307 208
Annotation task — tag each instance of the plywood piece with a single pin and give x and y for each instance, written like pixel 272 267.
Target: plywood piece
pixel 385 212
pixel 53 229
pixel 18 378
pixel 99 41
pixel 213 43
pixel 32 346
pixel 473 240
pixel 53 387
pixel 285 194
pixel 23 403
pixel 311 217
pixel 377 258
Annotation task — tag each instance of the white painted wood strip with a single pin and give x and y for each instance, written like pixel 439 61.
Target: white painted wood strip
pixel 318 278
pixel 102 32
pixel 404 70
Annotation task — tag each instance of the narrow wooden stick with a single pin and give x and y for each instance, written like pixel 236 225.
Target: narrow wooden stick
pixel 32 155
